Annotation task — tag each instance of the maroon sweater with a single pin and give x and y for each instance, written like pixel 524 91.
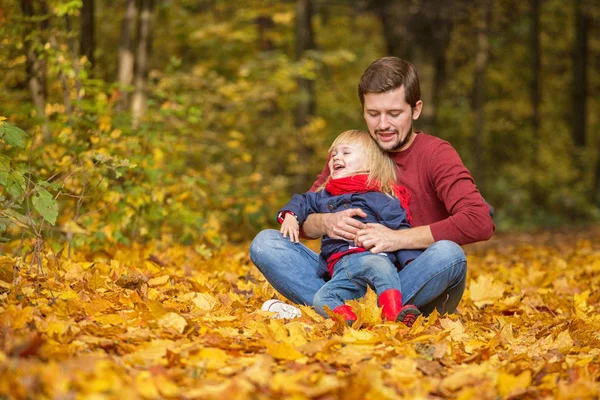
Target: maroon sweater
pixel 443 194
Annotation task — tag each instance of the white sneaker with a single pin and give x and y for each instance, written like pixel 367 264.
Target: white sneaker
pixel 283 310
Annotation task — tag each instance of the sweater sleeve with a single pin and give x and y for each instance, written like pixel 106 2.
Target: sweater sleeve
pixel 470 220
pixel 321 178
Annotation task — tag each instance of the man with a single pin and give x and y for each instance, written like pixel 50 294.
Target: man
pixel 447 209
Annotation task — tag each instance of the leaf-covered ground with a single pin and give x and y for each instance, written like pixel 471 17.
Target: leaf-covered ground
pixel 169 322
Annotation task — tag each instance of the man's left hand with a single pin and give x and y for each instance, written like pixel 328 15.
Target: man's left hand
pixel 377 238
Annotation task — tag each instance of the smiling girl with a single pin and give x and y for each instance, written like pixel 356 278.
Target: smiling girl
pixel 364 177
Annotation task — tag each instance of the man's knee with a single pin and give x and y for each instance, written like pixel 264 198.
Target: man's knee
pixel 455 260
pixel 263 242
pixel 449 251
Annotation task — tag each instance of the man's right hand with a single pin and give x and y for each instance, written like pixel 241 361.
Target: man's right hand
pixel 339 225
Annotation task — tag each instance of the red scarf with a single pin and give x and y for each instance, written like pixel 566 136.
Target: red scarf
pixel 360 184
pixel 352 184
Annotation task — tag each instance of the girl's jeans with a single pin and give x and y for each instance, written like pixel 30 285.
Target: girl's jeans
pixel 434 280
pixel 351 277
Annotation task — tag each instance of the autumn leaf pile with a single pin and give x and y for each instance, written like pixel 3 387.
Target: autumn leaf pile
pixel 165 321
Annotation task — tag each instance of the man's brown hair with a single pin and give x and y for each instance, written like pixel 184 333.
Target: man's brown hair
pixel 389 73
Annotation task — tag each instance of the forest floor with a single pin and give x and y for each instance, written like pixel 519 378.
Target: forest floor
pixel 167 321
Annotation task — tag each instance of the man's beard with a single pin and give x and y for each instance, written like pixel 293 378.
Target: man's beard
pixel 401 143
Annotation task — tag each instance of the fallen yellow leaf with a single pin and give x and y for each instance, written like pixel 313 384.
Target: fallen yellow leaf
pixel 173 320
pixel 485 291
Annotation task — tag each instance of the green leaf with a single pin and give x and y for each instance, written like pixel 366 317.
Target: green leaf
pixel 15 183
pixel 3 230
pixel 4 170
pixel 12 135
pixel 67 7
pixel 46 205
pixel 16 218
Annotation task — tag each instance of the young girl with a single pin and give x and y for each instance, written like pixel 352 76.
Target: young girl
pixel 361 176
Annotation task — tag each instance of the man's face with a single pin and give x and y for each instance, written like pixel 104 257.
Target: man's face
pixel 389 119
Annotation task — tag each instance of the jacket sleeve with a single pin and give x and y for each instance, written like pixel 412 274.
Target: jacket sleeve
pixel 302 205
pixel 393 216
pixel 470 216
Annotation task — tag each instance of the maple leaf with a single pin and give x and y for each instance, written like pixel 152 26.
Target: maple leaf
pixel 485 291
pixel 360 337
pixel 366 308
pixel 508 384
pixel 284 351
pixel 173 320
pixel 209 358
pixel 582 309
pixel 464 377
pixel 158 281
pixel 455 328
pixel 205 301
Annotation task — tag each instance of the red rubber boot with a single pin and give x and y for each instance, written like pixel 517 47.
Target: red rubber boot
pixel 390 302
pixel 346 312
pixel 392 309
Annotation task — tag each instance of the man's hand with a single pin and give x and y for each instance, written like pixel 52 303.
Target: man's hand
pixel 377 238
pixel 339 225
pixel 290 227
pixel 343 225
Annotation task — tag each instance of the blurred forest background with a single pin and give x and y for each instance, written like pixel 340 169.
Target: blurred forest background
pixel 195 120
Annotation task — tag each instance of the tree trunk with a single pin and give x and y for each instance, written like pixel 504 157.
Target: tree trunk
pixel 304 41
pixel 479 91
pixel 64 83
pixel 142 56
pixel 534 40
pixel 35 65
pixel 264 24
pixel 126 54
pixel 579 96
pixel 441 28
pixel 87 32
pixel 579 93
pixel 395 18
pixel 420 33
pixel 305 109
pixel 596 185
pixel 72 47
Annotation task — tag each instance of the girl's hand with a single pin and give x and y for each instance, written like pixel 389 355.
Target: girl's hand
pixel 290 228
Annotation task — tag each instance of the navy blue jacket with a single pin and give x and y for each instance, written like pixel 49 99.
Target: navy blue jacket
pixel 379 208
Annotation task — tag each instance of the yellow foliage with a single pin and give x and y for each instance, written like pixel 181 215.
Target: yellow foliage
pixel 173 320
pixel 167 321
pixel 508 384
pixel 484 291
pixel 104 123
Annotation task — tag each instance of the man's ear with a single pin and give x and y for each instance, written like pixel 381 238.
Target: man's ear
pixel 416 112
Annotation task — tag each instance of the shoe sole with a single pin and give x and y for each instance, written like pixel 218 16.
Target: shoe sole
pixel 408 315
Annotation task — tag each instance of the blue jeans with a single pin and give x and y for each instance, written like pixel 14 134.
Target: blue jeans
pixel 351 276
pixel 434 280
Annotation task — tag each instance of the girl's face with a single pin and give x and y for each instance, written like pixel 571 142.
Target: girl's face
pixel 347 160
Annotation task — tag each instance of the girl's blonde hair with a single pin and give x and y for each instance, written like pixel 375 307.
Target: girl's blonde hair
pixel 381 167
